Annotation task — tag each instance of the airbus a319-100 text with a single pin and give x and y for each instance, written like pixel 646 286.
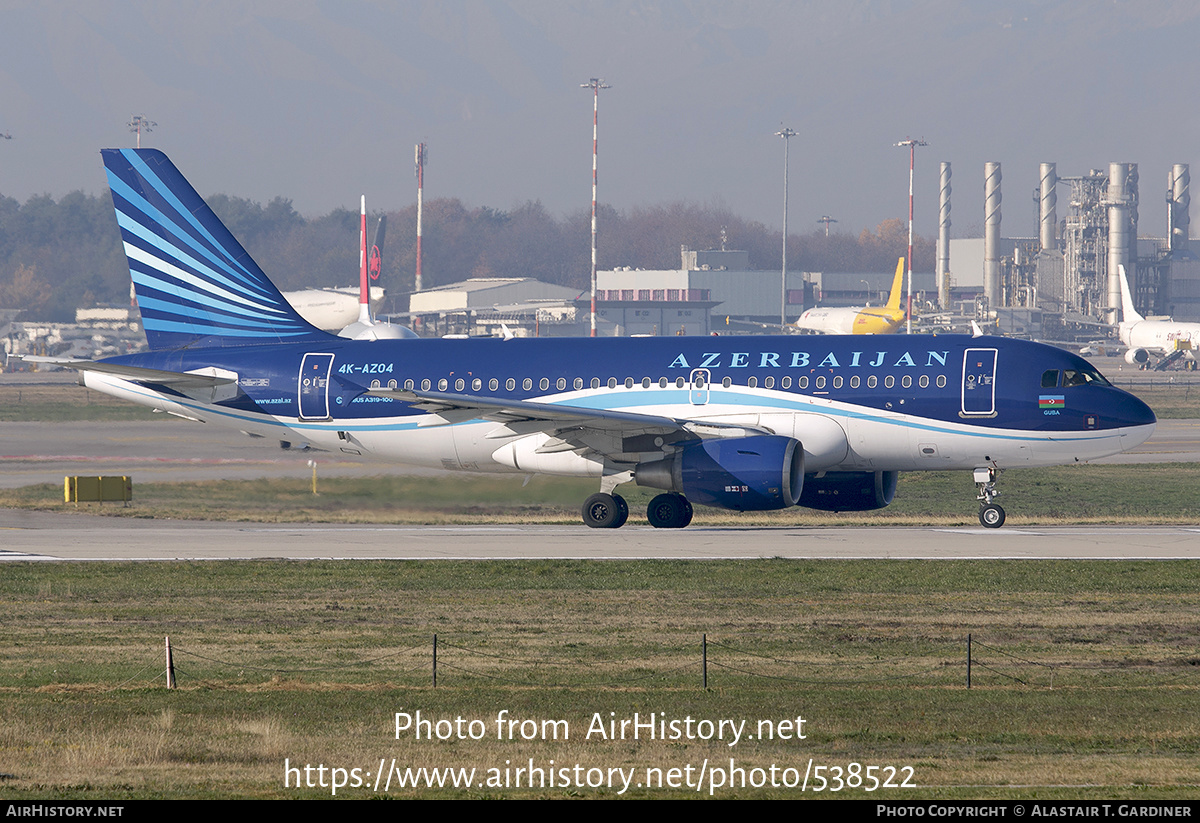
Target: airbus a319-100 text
pixel 744 423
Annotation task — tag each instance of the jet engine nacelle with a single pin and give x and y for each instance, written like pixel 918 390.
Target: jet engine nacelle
pixel 755 473
pixel 849 491
pixel 1137 357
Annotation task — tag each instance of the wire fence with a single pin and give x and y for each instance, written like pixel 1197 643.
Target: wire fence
pixel 706 664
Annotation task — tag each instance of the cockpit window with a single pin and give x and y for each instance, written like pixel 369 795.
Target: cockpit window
pixel 1049 378
pixel 1082 377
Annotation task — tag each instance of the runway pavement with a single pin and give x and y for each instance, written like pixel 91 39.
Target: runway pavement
pixel 51 536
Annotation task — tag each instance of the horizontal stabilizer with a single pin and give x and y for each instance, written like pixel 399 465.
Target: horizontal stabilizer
pixel 138 374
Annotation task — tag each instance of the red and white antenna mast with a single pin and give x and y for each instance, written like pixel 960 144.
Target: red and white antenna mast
pixel 420 206
pixel 595 84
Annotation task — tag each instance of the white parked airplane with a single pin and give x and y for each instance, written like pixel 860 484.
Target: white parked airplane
pixel 1155 336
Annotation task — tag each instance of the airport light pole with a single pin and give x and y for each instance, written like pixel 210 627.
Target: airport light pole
pixel 786 134
pixel 912 157
pixel 141 123
pixel 595 84
pixel 826 220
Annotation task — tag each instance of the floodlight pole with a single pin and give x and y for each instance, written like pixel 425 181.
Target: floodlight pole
pixel 139 123
pixel 420 195
pixel 595 84
pixel 786 134
pixel 912 157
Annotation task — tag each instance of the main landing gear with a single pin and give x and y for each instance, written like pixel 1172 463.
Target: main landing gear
pixel 991 515
pixel 610 511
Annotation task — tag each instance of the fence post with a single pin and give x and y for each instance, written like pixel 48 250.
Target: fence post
pixel 170 666
pixel 704 657
pixel 968 660
pixel 435 661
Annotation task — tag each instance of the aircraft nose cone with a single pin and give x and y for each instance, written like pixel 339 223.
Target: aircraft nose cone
pixel 1133 412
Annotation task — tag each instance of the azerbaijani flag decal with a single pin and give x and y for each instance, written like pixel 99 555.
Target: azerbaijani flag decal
pixel 1051 401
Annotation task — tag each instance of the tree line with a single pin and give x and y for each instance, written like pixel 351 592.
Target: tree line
pixel 60 255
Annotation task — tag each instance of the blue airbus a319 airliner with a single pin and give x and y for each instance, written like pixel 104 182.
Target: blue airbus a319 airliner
pixel 743 423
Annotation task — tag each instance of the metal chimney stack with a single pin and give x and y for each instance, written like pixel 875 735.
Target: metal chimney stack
pixel 1179 200
pixel 991 233
pixel 943 247
pixel 1048 210
pixel 1121 196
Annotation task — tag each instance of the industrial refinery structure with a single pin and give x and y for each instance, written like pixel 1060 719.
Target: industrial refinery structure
pixel 1071 269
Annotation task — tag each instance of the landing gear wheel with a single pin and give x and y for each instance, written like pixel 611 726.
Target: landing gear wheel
pixel 991 516
pixel 623 514
pixel 605 511
pixel 686 515
pixel 669 511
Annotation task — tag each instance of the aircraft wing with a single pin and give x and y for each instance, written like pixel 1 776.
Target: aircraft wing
pixel 576 427
pixel 204 378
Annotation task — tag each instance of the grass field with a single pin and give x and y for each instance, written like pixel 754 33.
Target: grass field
pixel 1139 493
pixel 1086 678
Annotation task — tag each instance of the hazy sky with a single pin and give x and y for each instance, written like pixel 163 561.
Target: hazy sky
pixel 319 100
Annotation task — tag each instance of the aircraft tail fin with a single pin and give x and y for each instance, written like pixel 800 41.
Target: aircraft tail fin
pixel 893 302
pixel 1128 313
pixel 194 283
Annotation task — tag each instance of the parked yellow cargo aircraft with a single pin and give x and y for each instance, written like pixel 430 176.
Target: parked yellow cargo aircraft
pixel 860 319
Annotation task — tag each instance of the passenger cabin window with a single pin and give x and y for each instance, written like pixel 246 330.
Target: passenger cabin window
pixel 527 383
pixel 727 382
pixel 786 382
pixel 612 382
pixel 493 384
pixel 443 384
pixel 459 384
pixel 854 382
pixel 872 381
pixel 476 384
pixel 562 383
pixel 510 384
pixel 595 382
pixel 425 384
pixel 544 383
pixel 769 382
pixel 408 385
pixel 679 381
pixel 645 382
pixel 752 382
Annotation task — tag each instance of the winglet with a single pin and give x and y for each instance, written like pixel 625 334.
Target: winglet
pixel 1128 313
pixel 893 302
pixel 194 283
